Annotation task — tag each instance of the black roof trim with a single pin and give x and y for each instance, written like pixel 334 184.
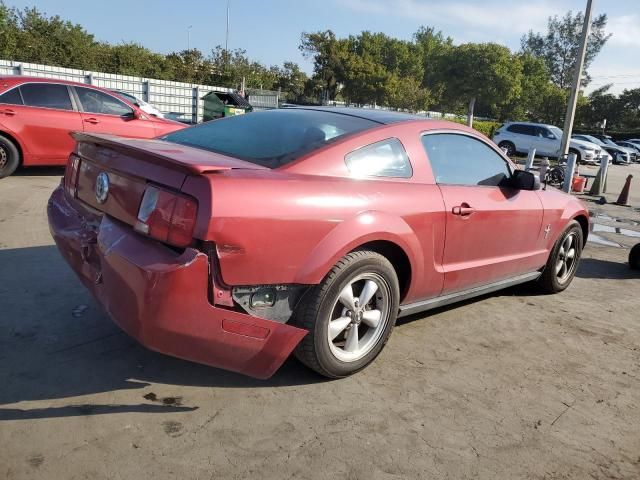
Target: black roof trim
pixel 383 117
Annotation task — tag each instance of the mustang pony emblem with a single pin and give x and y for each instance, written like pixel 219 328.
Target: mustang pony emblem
pixel 102 187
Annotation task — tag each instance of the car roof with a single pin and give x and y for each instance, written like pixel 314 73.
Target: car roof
pixel 383 117
pixel 530 123
pixel 16 79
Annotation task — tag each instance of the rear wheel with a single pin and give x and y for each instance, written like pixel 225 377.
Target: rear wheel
pixel 9 157
pixel 563 261
pixel 350 315
pixel 508 147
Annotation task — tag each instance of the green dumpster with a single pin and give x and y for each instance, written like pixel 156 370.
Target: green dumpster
pixel 219 104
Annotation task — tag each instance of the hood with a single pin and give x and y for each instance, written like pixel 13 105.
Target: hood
pixel 584 144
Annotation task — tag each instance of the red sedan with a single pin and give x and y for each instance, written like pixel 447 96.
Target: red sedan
pixel 37 115
pixel 234 242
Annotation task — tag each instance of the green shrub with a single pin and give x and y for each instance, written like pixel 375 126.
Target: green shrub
pixel 486 127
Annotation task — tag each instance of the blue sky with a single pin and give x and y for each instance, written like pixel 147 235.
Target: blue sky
pixel 270 31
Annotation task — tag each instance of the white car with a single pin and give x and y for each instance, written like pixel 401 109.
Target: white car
pixel 144 106
pixel 520 137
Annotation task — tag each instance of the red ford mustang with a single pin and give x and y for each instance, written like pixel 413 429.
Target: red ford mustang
pixel 37 114
pixel 234 242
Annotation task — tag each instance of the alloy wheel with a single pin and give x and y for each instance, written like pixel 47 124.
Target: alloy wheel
pixel 359 317
pixel 567 258
pixel 4 157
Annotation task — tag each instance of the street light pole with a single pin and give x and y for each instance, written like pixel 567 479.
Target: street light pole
pixel 226 40
pixel 189 37
pixel 575 86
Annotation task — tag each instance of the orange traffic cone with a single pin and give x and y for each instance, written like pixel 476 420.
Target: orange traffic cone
pixel 623 199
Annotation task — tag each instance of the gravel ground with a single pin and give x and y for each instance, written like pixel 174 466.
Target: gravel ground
pixel 513 385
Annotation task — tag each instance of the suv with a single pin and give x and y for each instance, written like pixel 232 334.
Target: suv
pixel 520 137
pixel 37 115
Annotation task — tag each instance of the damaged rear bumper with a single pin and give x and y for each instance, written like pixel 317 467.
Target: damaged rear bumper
pixel 159 297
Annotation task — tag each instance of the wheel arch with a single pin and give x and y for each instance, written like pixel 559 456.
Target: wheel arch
pixel 397 257
pixel 381 232
pixel 584 225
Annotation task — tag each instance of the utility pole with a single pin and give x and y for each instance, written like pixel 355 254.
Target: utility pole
pixel 575 86
pixel 226 40
pixel 189 37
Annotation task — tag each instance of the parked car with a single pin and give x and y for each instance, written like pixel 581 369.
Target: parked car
pixel 37 114
pixel 520 137
pixel 633 146
pixel 141 104
pixel 608 140
pixel 236 241
pixel 620 155
pixel 181 117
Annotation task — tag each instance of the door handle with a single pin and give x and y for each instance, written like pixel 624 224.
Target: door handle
pixel 93 121
pixel 8 112
pixel 463 210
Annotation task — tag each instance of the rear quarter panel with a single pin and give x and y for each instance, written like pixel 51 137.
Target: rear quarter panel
pixel 279 228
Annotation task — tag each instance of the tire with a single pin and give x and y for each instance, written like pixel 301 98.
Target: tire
pixel 509 147
pixel 634 257
pixel 9 157
pixel 555 278
pixel 578 156
pixel 329 348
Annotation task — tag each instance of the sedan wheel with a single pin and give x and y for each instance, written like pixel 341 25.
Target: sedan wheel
pixel 9 157
pixel 563 261
pixel 349 315
pixel 567 258
pixel 359 317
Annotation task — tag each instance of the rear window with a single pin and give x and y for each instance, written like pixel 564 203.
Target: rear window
pixel 271 138
pixel 12 97
pixel 522 129
pixel 46 95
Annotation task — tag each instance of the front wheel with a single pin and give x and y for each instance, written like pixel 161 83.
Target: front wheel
pixel 349 316
pixel 563 261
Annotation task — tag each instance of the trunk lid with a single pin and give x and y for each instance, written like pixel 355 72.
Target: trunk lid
pixel 130 164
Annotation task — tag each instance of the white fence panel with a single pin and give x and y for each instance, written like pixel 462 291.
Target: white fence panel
pixel 167 96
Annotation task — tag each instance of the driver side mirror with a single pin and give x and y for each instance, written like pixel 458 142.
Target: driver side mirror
pixel 133 115
pixel 523 180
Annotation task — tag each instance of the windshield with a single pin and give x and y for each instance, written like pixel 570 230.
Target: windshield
pixel 271 138
pixel 589 138
pixel 557 132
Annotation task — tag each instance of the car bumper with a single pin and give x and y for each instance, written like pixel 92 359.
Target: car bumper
pixel 160 297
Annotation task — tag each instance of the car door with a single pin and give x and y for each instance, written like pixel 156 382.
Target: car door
pixel 41 116
pixel 545 142
pixel 522 136
pixel 492 230
pixel 105 113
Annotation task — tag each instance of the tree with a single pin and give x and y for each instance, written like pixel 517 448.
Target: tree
pixel 432 47
pixel 328 55
pixel 8 31
pixel 479 71
pixel 559 46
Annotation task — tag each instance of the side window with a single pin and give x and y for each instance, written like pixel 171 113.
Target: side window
pixel 95 101
pixel 386 158
pixel 46 95
pixel 545 133
pixel 12 97
pixel 462 160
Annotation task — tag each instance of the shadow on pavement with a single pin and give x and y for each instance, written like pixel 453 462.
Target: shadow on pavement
pixel 56 343
pixel 39 172
pixel 596 268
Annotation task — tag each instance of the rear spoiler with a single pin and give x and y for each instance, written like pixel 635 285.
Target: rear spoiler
pixel 182 158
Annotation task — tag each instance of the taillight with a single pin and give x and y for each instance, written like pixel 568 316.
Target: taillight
pixel 166 216
pixel 71 174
